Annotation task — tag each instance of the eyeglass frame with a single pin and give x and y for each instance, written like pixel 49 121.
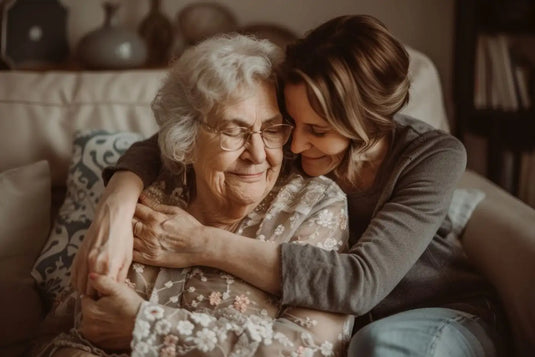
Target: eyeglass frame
pixel 248 133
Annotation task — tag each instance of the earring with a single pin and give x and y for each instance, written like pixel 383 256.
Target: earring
pixel 185 175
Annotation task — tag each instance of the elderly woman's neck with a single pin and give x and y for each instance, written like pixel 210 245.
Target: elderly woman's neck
pixel 221 215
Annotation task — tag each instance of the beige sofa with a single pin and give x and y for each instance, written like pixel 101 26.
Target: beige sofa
pixel 41 111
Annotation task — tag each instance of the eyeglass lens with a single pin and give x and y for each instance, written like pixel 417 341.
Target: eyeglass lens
pixel 274 136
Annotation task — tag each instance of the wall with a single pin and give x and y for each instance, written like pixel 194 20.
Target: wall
pixel 426 25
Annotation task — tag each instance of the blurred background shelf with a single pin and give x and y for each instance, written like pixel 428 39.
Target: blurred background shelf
pixel 509 134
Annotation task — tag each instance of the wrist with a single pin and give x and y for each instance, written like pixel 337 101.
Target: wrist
pixel 209 250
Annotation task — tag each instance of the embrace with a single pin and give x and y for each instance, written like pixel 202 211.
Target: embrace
pixel 284 208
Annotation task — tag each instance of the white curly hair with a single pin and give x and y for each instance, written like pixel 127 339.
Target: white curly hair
pixel 203 78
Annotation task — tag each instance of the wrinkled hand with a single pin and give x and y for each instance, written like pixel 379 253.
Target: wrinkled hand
pixel 166 236
pixel 106 247
pixel 109 321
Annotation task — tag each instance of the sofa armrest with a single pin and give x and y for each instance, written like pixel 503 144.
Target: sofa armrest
pixel 499 238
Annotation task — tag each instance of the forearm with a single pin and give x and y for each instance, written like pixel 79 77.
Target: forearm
pixel 108 242
pixel 122 193
pixel 254 261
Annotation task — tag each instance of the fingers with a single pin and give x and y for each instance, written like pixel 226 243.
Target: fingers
pixel 103 284
pixel 140 257
pixel 139 228
pixel 86 303
pixel 99 263
pixel 88 307
pixel 145 227
pixel 136 226
pixel 144 213
pixel 139 254
pixel 79 278
pixel 151 203
pixel 138 244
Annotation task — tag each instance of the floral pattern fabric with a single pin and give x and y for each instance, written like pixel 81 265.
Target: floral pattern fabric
pixel 203 311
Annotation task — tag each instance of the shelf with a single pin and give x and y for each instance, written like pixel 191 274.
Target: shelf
pixel 506 132
pixel 511 16
pixel 515 130
pixel 509 28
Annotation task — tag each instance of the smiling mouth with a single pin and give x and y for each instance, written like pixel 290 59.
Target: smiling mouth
pixel 312 158
pixel 249 177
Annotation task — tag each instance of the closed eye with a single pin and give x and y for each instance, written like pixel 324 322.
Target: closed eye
pixel 318 130
pixel 234 131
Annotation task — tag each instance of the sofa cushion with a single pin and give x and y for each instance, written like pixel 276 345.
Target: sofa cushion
pixel 41 111
pixel 500 240
pixel 463 203
pixel 425 93
pixel 93 150
pixel 24 226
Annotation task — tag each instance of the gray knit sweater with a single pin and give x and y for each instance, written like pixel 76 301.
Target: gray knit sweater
pixel 404 254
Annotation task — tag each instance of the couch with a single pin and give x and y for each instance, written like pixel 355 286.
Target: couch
pixel 42 111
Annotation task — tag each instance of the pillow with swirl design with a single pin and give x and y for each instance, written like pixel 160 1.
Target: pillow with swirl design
pixel 93 151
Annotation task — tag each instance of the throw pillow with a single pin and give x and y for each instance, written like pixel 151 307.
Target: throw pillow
pixel 24 226
pixel 93 150
pixel 463 202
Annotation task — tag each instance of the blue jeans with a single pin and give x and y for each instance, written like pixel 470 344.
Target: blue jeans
pixel 426 332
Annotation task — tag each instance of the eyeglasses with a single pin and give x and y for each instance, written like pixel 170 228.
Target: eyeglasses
pixel 234 138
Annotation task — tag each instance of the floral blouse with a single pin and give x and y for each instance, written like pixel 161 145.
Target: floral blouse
pixel 204 311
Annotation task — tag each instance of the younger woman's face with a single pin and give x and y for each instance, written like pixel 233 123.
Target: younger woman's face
pixel 321 147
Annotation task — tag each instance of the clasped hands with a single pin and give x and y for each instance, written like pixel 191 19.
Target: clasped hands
pixel 162 236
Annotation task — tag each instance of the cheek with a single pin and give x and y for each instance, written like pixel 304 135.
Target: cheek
pixel 210 166
pixel 275 163
pixel 274 158
pixel 334 147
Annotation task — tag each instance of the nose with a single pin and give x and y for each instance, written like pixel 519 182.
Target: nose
pixel 255 150
pixel 299 141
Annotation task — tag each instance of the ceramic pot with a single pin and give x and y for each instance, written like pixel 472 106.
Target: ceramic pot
pixel 111 46
pixel 198 21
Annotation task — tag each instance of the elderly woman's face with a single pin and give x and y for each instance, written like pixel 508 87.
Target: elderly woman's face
pixel 244 176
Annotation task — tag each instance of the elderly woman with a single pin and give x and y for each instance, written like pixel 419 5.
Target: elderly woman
pixel 221 137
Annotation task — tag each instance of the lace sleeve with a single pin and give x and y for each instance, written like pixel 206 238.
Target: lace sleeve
pixel 165 331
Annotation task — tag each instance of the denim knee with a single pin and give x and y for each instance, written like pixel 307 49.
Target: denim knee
pixel 424 332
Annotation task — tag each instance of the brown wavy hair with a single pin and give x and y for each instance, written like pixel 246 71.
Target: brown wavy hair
pixel 356 75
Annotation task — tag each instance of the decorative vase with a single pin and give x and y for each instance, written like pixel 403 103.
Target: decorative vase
pixel 111 46
pixel 157 31
pixel 200 20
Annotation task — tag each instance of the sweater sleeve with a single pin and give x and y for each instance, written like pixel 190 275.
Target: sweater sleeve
pixel 142 158
pixel 397 235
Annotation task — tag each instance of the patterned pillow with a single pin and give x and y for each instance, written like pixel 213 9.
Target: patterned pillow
pixel 463 203
pixel 93 150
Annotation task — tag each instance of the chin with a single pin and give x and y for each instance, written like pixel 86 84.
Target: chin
pixel 247 199
pixel 314 171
